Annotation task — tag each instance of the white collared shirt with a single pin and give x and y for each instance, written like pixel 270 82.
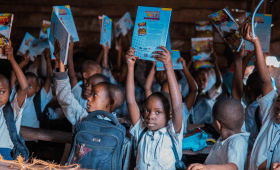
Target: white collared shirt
pixel 155 149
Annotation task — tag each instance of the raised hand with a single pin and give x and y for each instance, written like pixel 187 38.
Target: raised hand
pixel 183 61
pixel 130 57
pixel 71 44
pixel 244 31
pixel 241 54
pixel 57 49
pixel 164 56
pixel 214 58
pixel 9 51
pixel 47 53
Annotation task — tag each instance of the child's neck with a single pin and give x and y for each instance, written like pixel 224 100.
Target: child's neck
pixel 227 133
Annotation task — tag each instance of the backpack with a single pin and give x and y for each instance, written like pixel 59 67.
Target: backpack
pixel 42 117
pixel 98 143
pixel 18 141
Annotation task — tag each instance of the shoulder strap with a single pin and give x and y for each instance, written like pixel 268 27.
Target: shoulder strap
pixel 9 117
pixel 37 105
pixel 174 149
pixel 178 164
pixel 141 135
pixel 257 118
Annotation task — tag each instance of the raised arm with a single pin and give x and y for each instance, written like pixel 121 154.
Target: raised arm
pixel 23 85
pixel 105 57
pixel 246 61
pixel 21 65
pixel 119 44
pixel 100 56
pixel 190 99
pixel 47 54
pixel 175 94
pixel 237 82
pixel 263 72
pixel 71 71
pixel 132 106
pixel 217 70
pixel 149 81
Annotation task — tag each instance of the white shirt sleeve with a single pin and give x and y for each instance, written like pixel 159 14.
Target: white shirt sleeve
pixel 17 111
pixel 214 92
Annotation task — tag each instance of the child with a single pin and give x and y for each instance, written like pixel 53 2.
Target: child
pixel 17 104
pixel 266 148
pixel 34 113
pixel 189 100
pixel 202 109
pixel 155 146
pixel 230 150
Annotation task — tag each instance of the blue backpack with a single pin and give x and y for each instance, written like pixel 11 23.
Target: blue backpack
pixel 98 143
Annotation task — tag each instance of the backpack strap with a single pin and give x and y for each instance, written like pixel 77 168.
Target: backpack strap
pixel 178 164
pixel 257 118
pixel 41 116
pixel 141 135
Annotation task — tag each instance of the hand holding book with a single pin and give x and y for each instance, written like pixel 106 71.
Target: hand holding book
pixel 245 32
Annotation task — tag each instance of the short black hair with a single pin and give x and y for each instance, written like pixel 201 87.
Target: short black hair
pixel 166 101
pixel 89 65
pixel 32 75
pixel 229 112
pixel 4 78
pixel 195 73
pixel 100 76
pixel 254 83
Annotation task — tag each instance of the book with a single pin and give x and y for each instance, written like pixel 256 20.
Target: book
pixel 123 25
pixel 26 44
pixel 262 27
pixel 168 42
pixel 203 29
pixel 176 66
pixel 65 15
pixel 228 28
pixel 43 32
pixel 50 44
pixel 201 51
pixel 38 47
pixel 60 33
pixel 150 31
pixel 106 31
pixel 6 21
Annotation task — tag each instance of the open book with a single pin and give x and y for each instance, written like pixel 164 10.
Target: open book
pixel 201 51
pixel 6 20
pixel 26 44
pixel 106 31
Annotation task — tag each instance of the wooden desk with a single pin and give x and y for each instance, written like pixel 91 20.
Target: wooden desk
pixel 204 151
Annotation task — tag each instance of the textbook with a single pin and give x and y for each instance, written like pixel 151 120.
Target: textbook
pixel 26 44
pixel 150 31
pixel 50 44
pixel 228 28
pixel 43 32
pixel 106 31
pixel 168 43
pixel 6 21
pixel 262 27
pixel 176 66
pixel 38 47
pixel 60 33
pixel 65 15
pixel 203 29
pixel 201 51
pixel 123 25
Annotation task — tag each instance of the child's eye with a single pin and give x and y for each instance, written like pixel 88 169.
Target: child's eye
pixel 2 92
pixel 95 94
pixel 146 111
pixel 158 112
pixel 30 87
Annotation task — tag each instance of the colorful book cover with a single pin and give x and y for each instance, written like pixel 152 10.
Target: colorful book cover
pixel 65 15
pixel 228 28
pixel 6 21
pixel 26 44
pixel 38 47
pixel 168 42
pixel 176 66
pixel 262 30
pixel 59 32
pixel 204 29
pixel 50 44
pixel 106 31
pixel 201 51
pixel 124 24
pixel 150 30
pixel 43 32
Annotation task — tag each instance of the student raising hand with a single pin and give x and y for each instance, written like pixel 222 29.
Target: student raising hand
pixel 56 53
pixel 276 166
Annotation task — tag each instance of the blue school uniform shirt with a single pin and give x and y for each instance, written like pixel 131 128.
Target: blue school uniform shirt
pixel 155 149
pixel 77 92
pixel 250 122
pixel 29 116
pixel 5 140
pixel 186 115
pixel 231 150
pixel 267 144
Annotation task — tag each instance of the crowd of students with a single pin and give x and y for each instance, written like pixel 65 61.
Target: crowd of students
pixel 160 108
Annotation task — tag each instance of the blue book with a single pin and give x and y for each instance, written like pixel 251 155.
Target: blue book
pixel 168 42
pixel 106 31
pixel 228 28
pixel 262 29
pixel 123 25
pixel 201 51
pixel 150 31
pixel 60 33
pixel 50 44
pixel 6 21
pixel 65 15
pixel 176 66
pixel 26 44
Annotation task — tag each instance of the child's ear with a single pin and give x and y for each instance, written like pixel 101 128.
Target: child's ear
pixel 38 89
pixel 85 75
pixel 218 124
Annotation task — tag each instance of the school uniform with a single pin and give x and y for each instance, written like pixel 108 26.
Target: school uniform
pixel 77 91
pixel 186 114
pixel 155 149
pixel 231 150
pixel 6 143
pixel 29 115
pixel 267 144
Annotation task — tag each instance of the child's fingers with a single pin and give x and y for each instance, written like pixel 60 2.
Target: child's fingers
pixel 180 60
pixel 164 48
pixel 192 167
pixel 71 38
pixel 10 42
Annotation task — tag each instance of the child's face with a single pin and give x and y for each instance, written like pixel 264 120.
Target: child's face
pixel 277 110
pixel 154 114
pixel 201 81
pixel 98 100
pixel 32 86
pixel 4 92
pixel 87 90
pixel 161 76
